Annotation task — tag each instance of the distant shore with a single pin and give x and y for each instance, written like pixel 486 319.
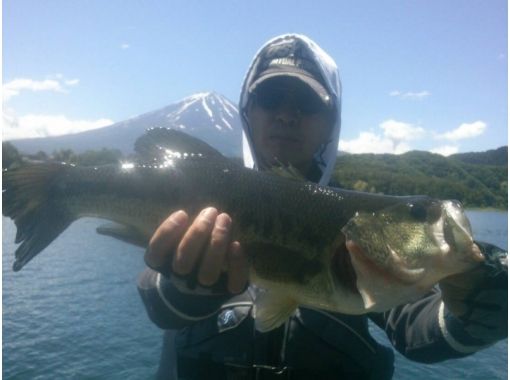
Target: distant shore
pixel 493 209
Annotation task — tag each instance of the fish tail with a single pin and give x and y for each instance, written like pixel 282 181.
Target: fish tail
pixel 29 198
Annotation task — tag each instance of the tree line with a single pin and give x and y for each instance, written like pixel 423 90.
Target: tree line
pixel 475 185
pixel 11 157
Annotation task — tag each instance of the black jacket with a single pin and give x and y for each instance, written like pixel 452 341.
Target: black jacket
pixel 213 337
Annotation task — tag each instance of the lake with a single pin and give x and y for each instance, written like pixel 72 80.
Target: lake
pixel 74 312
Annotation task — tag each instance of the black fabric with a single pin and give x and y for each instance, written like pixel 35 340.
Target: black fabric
pixel 316 344
pixel 192 306
pixel 310 341
pixel 414 331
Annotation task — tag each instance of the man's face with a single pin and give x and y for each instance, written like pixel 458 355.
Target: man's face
pixel 288 123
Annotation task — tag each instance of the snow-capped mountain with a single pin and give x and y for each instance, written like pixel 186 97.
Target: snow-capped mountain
pixel 208 116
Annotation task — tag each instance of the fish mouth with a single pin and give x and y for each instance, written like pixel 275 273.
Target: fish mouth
pixel 452 233
pixel 454 227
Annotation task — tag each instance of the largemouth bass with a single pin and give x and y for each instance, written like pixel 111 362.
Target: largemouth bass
pixel 293 232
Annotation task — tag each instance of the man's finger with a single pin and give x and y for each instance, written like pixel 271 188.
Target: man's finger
pixel 165 240
pixel 194 241
pixel 214 257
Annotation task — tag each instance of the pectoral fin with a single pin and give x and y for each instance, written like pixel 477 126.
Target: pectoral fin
pixel 272 309
pixel 127 234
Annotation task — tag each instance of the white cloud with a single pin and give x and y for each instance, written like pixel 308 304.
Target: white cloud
pixel 14 87
pixel 41 125
pixel 369 142
pixel 417 95
pixel 33 125
pixel 9 119
pixel 72 82
pixel 445 150
pixel 464 131
pixel 396 136
pixel 401 131
pixel 394 139
pixel 125 46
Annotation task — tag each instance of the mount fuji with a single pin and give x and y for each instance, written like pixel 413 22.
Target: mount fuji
pixel 208 116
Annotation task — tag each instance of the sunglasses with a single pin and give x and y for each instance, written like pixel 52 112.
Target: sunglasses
pixel 270 97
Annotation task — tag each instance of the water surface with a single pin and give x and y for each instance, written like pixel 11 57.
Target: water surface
pixel 74 312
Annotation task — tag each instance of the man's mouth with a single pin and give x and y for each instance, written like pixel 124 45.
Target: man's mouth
pixel 284 138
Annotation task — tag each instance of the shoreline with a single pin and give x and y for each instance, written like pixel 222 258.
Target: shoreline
pixel 492 209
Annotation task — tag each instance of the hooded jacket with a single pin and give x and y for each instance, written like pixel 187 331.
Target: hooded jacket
pixel 326 156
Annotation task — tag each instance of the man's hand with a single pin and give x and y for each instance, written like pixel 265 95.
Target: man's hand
pixel 479 298
pixel 203 249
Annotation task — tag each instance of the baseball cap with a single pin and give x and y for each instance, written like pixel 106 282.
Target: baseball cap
pixel 291 58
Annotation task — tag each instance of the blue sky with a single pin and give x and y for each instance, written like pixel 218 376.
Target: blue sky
pixel 429 75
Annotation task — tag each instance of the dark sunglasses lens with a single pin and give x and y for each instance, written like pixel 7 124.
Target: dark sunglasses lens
pixel 271 96
pixel 309 103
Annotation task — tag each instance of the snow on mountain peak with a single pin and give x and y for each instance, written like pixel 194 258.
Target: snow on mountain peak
pixel 196 97
pixel 219 111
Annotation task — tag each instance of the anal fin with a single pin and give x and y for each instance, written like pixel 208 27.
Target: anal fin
pixel 272 310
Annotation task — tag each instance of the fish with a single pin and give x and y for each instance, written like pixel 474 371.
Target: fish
pixel 308 245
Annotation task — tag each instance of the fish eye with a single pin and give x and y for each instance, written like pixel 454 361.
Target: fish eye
pixel 418 211
pixel 434 211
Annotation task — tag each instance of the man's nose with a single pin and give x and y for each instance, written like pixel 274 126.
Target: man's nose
pixel 288 112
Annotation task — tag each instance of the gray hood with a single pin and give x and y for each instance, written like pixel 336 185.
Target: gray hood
pixel 326 158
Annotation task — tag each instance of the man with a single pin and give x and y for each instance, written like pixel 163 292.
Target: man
pixel 197 289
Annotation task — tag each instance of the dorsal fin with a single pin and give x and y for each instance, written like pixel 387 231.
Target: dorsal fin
pixel 161 144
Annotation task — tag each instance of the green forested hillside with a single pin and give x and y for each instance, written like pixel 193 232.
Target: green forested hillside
pixel 475 185
pixel 490 157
